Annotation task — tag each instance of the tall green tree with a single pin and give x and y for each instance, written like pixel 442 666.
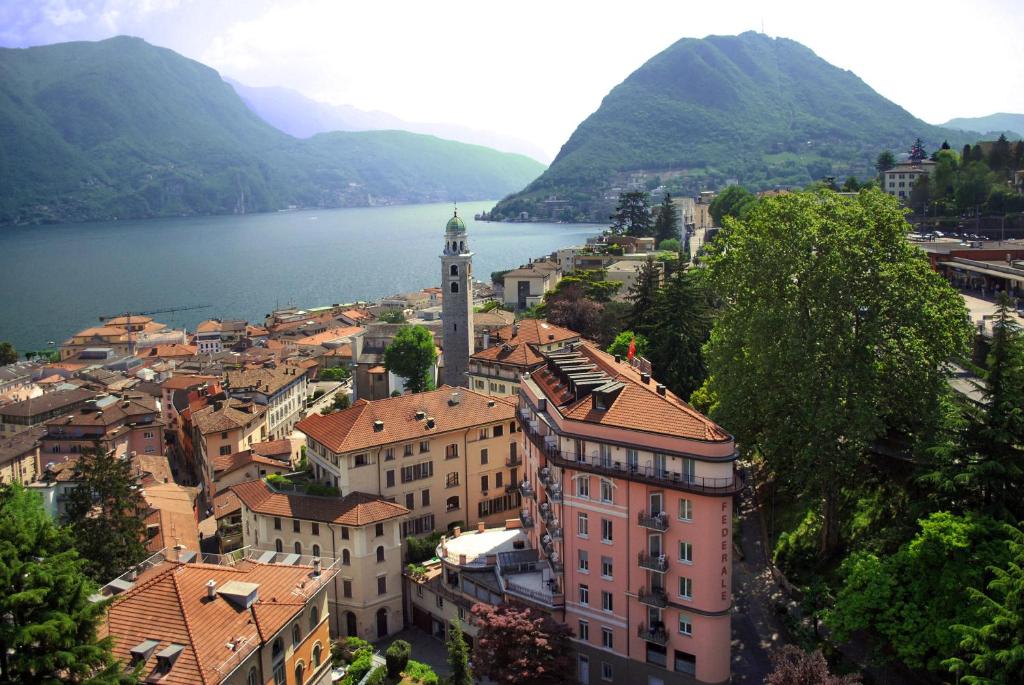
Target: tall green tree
pixel 8 355
pixel 632 215
pixel 458 657
pixel 735 201
pixel 623 340
pixel 917 151
pixel 886 160
pixel 642 296
pixel 993 650
pixel 411 355
pixel 681 324
pixel 973 185
pixel 826 309
pixel 103 514
pixel 48 629
pixel 666 225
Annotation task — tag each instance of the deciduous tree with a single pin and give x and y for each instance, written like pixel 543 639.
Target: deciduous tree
pixel 622 342
pixel 793 666
pixel 517 644
pixel 8 355
pixel 734 201
pixel 411 355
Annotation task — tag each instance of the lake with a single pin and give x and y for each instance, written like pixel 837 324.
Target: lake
pixel 56 280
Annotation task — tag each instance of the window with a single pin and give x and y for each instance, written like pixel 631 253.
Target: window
pixel 316 550
pixel 278 545
pixel 454 270
pixel 606 567
pixel 451 452
pixel 317 651
pixel 147 435
pixel 424 446
pixel 685 552
pixel 455 287
pixel 346 588
pixel 607 638
pixel 605 455
pixel 344 533
pixel 224 436
pixel 277 523
pixel 584 595
pixel 582 525
pixel 439 601
pixel 499 479
pixel 254 678
pixel 685 509
pixel 451 480
pixel 606 491
pixel 685 627
pixel 606 530
pixel 346 557
pixel 499 430
pixel 407 450
pixel 410 500
pixel 512 426
pixel 298 547
pixel 389 478
pixel 360 460
pixel 685 587
pixel 583 487
pixel 316 528
pixel 296 635
pixel 389 453
pixel 606 672
pixel 417 471
pixel 483 483
pixel 225 450
pixel 483 432
pixel 452 503
pixel 382 585
pixel 584 630
pixel 380 553
pixel 483 456
pixel 685 663
pixel 299 672
pixel 425 498
pixel 378 530
pixel 296 526
pixel 584 560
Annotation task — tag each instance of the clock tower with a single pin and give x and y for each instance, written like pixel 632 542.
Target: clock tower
pixel 457 303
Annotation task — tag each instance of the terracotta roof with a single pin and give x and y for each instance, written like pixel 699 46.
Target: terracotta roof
pixel 329 335
pixel 172 350
pixel 208 326
pixel 51 401
pixel 232 462
pixel 512 354
pixel 172 508
pixel 256 331
pixel 119 412
pixel 101 332
pixel 126 320
pixel 357 314
pixel 534 270
pixel 226 503
pixel 16 446
pixel 536 332
pixel 354 509
pixel 181 382
pixel 377 369
pixel 270 448
pixel 228 417
pixel 353 428
pixel 638 406
pixel 268 380
pixel 169 604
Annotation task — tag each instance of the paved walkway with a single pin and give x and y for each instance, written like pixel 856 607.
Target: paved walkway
pixel 756 628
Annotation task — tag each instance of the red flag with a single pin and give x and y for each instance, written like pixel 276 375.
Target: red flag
pixel 632 349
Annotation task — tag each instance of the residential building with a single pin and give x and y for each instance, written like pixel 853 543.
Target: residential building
pixel 244 466
pixel 124 335
pixel 281 390
pixel 19 456
pixel 208 337
pixel 372 380
pixel 511 351
pixel 457 302
pixel 126 427
pixel 222 620
pixel 900 180
pixel 174 394
pixel 525 286
pixel 632 493
pixel 219 426
pixel 18 381
pixel 627 271
pixel 34 411
pixel 361 531
pixel 448 455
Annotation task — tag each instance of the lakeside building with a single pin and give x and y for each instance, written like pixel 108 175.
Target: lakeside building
pixel 449 455
pixel 513 350
pixel 361 531
pixel 232 620
pixel 631 490
pixel 525 286
pixel 34 411
pixel 457 303
pixel 124 335
pixel 208 337
pixel 899 180
pixel 282 391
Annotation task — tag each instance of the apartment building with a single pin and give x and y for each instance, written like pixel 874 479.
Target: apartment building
pixel 20 416
pixel 127 426
pixel 219 426
pixel 449 455
pixel 222 620
pixel 281 390
pixel 900 180
pixel 631 490
pixel 19 456
pixel 510 351
pixel 208 337
pixel 361 532
pixel 525 286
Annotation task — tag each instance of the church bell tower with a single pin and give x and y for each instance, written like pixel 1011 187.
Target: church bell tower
pixel 457 304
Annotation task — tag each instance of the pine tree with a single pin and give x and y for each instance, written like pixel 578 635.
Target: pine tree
pixel 681 324
pixel 103 513
pixel 642 297
pixel 666 226
pixel 48 629
pixel 458 657
pixel 632 215
pixel 917 151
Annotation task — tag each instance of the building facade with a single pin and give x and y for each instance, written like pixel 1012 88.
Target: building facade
pixel 510 351
pixel 631 491
pixel 282 391
pixel 900 180
pixel 457 305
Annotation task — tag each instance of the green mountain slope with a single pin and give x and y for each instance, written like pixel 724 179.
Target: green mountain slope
pixel 1001 121
pixel 765 112
pixel 120 128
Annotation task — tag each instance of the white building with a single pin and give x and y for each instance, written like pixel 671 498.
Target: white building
pixel 900 180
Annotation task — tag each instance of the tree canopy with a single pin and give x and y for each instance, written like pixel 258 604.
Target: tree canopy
pixel 411 355
pixel 734 201
pixel 8 355
pixel 666 224
pixel 632 215
pixel 517 644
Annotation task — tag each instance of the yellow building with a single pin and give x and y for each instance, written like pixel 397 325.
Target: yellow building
pixel 361 532
pixel 448 455
pixel 19 456
pixel 511 351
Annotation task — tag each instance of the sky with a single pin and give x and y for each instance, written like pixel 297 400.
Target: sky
pixel 534 70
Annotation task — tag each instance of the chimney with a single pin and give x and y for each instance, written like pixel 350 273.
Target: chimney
pixel 661 389
pixel 211 589
pixel 645 378
pixel 487 338
pixel 515 329
pixel 378 426
pixel 618 358
pixel 481 527
pixel 454 399
pixel 316 566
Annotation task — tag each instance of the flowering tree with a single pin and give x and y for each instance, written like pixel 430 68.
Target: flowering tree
pixel 793 666
pixel 517 644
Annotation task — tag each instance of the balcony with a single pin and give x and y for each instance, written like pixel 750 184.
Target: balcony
pixel 526 519
pixel 526 490
pixel 653 562
pixel 511 487
pixel 513 461
pixel 658 635
pixel 554 491
pixel 654 597
pixel 657 521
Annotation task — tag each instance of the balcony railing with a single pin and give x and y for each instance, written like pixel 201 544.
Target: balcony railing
pixel 526 519
pixel 513 461
pixel 511 487
pixel 645 474
pixel 654 597
pixel 526 489
pixel 652 634
pixel 657 521
pixel 555 598
pixel 554 491
pixel 653 562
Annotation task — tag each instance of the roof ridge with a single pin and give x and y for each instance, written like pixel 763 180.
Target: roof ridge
pixel 188 626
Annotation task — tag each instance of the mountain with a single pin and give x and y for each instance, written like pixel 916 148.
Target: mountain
pixel 1001 121
pixel 760 111
pixel 122 129
pixel 292 112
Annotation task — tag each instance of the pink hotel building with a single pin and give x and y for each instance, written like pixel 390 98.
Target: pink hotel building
pixel 631 490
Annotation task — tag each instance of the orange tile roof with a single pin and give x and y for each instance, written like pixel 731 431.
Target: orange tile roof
pixel 638 406
pixel 172 507
pixel 512 354
pixel 357 314
pixel 102 332
pixel 270 448
pixel 226 503
pixel 209 326
pixel 354 509
pixel 329 335
pixel 269 380
pixel 182 382
pixel 126 320
pixel 536 332
pixel 223 464
pixel 169 604
pixel 173 350
pixel 353 428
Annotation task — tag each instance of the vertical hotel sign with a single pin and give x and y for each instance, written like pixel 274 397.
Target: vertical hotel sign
pixel 725 549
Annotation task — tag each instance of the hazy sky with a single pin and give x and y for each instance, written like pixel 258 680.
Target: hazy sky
pixel 536 69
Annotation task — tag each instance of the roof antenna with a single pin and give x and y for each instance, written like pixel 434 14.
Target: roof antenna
pixel 456 203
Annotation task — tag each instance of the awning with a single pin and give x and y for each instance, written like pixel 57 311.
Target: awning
pixel 982 270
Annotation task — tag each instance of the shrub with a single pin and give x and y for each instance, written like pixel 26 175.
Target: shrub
pixel 322 490
pixel 346 651
pixel 397 657
pixel 419 672
pixel 798 550
pixel 359 668
pixel 377 677
pixel 421 549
